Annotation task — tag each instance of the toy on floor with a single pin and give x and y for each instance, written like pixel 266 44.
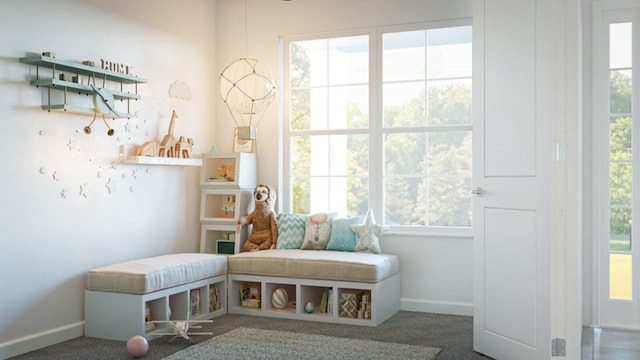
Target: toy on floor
pixel 137 346
pixel 264 233
pixel 180 328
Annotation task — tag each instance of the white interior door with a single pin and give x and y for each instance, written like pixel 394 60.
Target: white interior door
pixel 512 159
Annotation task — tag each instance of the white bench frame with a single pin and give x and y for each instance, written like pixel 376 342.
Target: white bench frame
pixel 384 295
pixel 119 316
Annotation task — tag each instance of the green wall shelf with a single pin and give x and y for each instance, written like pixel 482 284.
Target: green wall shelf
pixel 94 85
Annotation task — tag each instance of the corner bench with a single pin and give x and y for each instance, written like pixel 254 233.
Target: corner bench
pixel 118 295
pixel 307 274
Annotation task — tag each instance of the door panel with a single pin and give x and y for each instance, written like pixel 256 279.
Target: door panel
pixel 510 136
pixel 512 161
pixel 510 300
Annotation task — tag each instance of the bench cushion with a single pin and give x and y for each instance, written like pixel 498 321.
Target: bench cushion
pixel 156 273
pixel 316 264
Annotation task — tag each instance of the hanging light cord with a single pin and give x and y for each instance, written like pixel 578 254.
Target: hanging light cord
pixel 246 29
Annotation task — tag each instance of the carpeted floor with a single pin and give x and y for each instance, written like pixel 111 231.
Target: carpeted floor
pixel 249 343
pixel 452 334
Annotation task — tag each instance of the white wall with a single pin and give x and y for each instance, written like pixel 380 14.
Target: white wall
pixel 47 242
pixel 437 272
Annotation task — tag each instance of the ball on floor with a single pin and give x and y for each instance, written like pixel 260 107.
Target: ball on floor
pixel 137 346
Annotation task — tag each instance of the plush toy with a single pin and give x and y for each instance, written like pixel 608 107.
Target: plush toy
pixel 264 233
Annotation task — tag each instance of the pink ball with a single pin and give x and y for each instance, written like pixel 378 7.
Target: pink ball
pixel 137 346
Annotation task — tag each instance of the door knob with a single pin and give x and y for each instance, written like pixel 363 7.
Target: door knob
pixel 478 191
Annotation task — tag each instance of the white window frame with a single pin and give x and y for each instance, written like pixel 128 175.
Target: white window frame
pixel 605 311
pixel 375 130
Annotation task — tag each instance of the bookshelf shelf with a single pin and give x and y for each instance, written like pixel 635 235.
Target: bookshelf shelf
pixel 336 294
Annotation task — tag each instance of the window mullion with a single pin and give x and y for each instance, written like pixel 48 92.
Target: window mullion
pixel 376 141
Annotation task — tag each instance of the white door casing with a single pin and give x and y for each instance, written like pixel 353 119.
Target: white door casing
pixel 512 165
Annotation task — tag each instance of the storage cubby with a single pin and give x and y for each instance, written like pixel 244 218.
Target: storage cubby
pixel 221 239
pixel 223 205
pixel 217 297
pixel 227 182
pixel 290 289
pixel 382 298
pixel 236 170
pixel 179 305
pixel 118 316
pixel 313 294
pixel 354 304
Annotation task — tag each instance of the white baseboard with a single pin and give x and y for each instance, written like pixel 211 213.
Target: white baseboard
pixel 437 307
pixel 36 341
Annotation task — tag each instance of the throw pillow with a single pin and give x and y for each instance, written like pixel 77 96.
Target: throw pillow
pixel 290 230
pixel 367 234
pixel 342 237
pixel 317 232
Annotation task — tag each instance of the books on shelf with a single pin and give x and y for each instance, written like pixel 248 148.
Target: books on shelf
pixel 326 304
pixel 195 302
pixel 250 295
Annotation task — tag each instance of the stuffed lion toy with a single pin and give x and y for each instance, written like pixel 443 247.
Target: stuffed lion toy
pixel 264 233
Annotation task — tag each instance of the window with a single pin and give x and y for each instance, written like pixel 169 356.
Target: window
pixel 617 164
pixel 380 120
pixel 620 160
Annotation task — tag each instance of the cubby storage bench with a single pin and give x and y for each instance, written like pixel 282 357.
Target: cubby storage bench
pixel 120 296
pixel 307 275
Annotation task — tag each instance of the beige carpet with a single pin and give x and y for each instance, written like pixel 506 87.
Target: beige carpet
pixel 247 343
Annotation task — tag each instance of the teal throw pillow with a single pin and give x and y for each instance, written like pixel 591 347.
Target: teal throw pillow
pixel 342 237
pixel 290 230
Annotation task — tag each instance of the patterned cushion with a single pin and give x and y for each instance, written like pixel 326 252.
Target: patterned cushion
pixel 290 230
pixel 317 232
pixel 367 234
pixel 342 237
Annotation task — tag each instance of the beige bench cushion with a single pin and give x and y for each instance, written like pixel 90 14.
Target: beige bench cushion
pixel 156 273
pixel 316 264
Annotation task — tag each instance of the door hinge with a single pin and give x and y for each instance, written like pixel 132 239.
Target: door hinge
pixel 558 347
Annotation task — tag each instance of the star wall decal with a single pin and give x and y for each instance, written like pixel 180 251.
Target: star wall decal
pixel 83 190
pixel 107 186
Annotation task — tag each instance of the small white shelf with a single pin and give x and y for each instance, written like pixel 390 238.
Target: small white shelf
pixel 154 160
pixel 244 170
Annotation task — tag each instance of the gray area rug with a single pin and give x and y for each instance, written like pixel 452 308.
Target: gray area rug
pixel 249 343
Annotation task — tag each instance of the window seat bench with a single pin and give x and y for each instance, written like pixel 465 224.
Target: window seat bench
pixel 358 288
pixel 121 297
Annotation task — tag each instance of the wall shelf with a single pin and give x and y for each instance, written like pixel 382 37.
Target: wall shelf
pixel 104 98
pixel 80 110
pixel 154 160
pixel 80 88
pixel 80 69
